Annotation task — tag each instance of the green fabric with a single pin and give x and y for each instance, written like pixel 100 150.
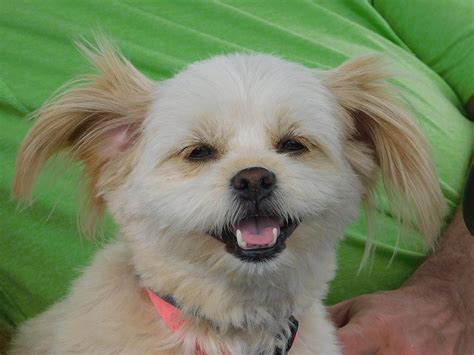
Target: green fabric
pixel 40 248
pixel 440 33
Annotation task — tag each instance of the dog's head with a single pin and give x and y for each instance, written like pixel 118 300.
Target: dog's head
pixel 236 154
pixel 240 149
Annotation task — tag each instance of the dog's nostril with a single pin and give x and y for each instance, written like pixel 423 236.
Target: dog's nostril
pixel 254 183
pixel 268 181
pixel 241 184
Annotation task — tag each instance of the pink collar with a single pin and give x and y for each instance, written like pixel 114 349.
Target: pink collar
pixel 169 313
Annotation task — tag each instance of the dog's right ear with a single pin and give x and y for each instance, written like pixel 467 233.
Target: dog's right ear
pixel 97 121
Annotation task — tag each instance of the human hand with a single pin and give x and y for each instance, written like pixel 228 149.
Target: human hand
pixel 424 318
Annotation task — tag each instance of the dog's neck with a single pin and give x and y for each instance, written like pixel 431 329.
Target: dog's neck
pixel 169 310
pixel 244 304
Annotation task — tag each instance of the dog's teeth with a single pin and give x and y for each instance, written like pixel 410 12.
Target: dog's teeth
pixel 238 234
pixel 240 241
pixel 275 235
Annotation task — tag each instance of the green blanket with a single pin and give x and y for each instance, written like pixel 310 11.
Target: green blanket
pixel 40 247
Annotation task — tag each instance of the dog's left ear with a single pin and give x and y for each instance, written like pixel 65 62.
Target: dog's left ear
pixel 97 120
pixel 380 132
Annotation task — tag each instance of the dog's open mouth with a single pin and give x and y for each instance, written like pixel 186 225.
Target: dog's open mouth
pixel 257 238
pixel 257 232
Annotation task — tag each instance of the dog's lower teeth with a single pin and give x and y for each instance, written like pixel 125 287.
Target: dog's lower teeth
pixel 240 241
pixel 242 244
pixel 275 236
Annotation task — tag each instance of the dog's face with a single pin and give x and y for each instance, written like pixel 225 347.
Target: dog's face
pixel 238 158
pixel 237 151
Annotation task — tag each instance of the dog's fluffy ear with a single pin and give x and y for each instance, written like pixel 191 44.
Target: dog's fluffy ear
pixel 96 121
pixel 377 126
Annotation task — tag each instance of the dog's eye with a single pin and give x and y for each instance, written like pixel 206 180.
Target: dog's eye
pixel 201 153
pixel 291 145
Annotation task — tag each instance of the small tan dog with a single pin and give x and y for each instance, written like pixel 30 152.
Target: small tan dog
pixel 231 185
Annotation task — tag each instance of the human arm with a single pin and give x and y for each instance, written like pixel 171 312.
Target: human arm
pixel 431 313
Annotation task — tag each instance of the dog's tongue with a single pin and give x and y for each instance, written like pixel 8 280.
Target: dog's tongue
pixel 258 230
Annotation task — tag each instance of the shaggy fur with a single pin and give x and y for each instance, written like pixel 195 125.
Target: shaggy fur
pixel 134 137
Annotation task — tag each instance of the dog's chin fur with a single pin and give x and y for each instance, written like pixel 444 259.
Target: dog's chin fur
pixel 135 138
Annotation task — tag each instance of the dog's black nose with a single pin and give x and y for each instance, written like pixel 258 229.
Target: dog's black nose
pixel 253 183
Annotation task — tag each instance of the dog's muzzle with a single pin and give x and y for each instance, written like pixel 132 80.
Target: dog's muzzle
pixel 260 235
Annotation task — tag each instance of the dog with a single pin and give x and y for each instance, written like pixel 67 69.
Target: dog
pixel 231 185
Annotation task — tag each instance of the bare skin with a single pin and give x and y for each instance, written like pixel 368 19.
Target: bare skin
pixel 431 313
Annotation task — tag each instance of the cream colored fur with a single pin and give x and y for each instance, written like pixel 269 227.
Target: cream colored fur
pixel 133 136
